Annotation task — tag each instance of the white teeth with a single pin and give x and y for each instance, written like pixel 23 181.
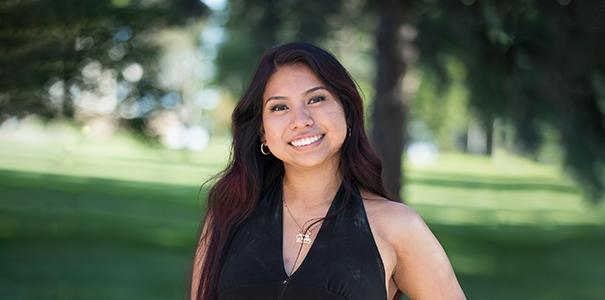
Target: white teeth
pixel 306 141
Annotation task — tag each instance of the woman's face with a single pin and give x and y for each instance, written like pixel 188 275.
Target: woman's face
pixel 303 122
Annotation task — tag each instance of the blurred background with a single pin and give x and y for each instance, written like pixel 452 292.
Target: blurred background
pixel 489 116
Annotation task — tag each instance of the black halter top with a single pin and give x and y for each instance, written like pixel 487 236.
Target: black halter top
pixel 343 262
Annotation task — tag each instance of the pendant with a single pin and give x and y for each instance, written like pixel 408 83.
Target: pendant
pixel 303 238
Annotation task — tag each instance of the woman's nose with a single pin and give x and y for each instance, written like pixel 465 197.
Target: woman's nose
pixel 301 117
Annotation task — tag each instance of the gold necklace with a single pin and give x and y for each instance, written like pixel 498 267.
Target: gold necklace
pixel 304 235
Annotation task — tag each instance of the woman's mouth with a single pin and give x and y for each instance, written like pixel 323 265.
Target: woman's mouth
pixel 307 141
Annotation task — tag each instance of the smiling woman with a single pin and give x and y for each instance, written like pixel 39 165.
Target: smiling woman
pixel 300 212
pixel 304 124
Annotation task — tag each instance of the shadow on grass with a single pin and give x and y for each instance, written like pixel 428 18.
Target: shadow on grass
pixel 65 237
pixel 53 182
pixel 492 183
pixel 527 262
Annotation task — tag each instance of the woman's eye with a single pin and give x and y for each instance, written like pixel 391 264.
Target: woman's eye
pixel 278 107
pixel 317 99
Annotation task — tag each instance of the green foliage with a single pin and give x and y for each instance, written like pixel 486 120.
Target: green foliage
pixel 442 109
pixel 256 26
pixel 530 63
pixel 50 41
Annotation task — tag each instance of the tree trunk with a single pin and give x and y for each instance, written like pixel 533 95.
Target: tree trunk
pixel 389 111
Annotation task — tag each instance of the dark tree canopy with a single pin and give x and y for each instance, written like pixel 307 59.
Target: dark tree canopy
pixel 532 64
pixel 256 26
pixel 53 39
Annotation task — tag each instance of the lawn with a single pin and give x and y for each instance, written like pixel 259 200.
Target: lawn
pixel 84 217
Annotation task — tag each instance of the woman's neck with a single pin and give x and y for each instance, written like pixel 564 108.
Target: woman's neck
pixel 311 189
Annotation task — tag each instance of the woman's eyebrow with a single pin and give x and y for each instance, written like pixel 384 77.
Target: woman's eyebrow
pixel 305 93
pixel 314 89
pixel 275 98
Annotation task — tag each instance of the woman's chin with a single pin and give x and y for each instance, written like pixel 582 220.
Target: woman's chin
pixel 311 162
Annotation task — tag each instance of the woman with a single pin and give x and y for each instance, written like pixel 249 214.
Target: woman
pixel 301 212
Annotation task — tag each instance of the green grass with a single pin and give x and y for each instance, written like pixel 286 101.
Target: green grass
pixel 67 238
pixel 513 229
pixel 109 218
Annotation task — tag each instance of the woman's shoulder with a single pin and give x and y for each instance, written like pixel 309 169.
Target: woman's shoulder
pixel 393 219
pixel 415 250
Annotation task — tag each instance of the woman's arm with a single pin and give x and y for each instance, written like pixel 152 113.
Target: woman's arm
pixel 423 270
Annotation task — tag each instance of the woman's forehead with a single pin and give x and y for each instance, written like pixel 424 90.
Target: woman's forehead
pixel 291 80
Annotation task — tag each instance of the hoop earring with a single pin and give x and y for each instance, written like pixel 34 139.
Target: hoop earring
pixel 262 149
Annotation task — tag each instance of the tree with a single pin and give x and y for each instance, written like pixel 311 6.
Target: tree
pixel 532 64
pixel 48 42
pixel 256 26
pixel 389 112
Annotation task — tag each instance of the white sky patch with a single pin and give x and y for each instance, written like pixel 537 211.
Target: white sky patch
pixel 208 98
pixel 213 35
pixel 422 153
pixel 56 90
pixel 215 4
pixel 133 73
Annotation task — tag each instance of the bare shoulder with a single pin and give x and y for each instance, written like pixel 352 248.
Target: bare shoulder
pixel 421 267
pixel 394 219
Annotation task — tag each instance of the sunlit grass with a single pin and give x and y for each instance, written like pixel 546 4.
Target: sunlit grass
pixel 50 150
pixel 500 164
pixel 503 189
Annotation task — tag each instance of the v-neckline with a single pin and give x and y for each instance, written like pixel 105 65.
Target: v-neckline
pixel 317 237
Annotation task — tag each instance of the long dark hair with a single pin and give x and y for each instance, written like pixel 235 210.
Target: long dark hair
pixel 249 173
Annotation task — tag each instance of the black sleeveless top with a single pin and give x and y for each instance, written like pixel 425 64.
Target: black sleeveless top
pixel 343 262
